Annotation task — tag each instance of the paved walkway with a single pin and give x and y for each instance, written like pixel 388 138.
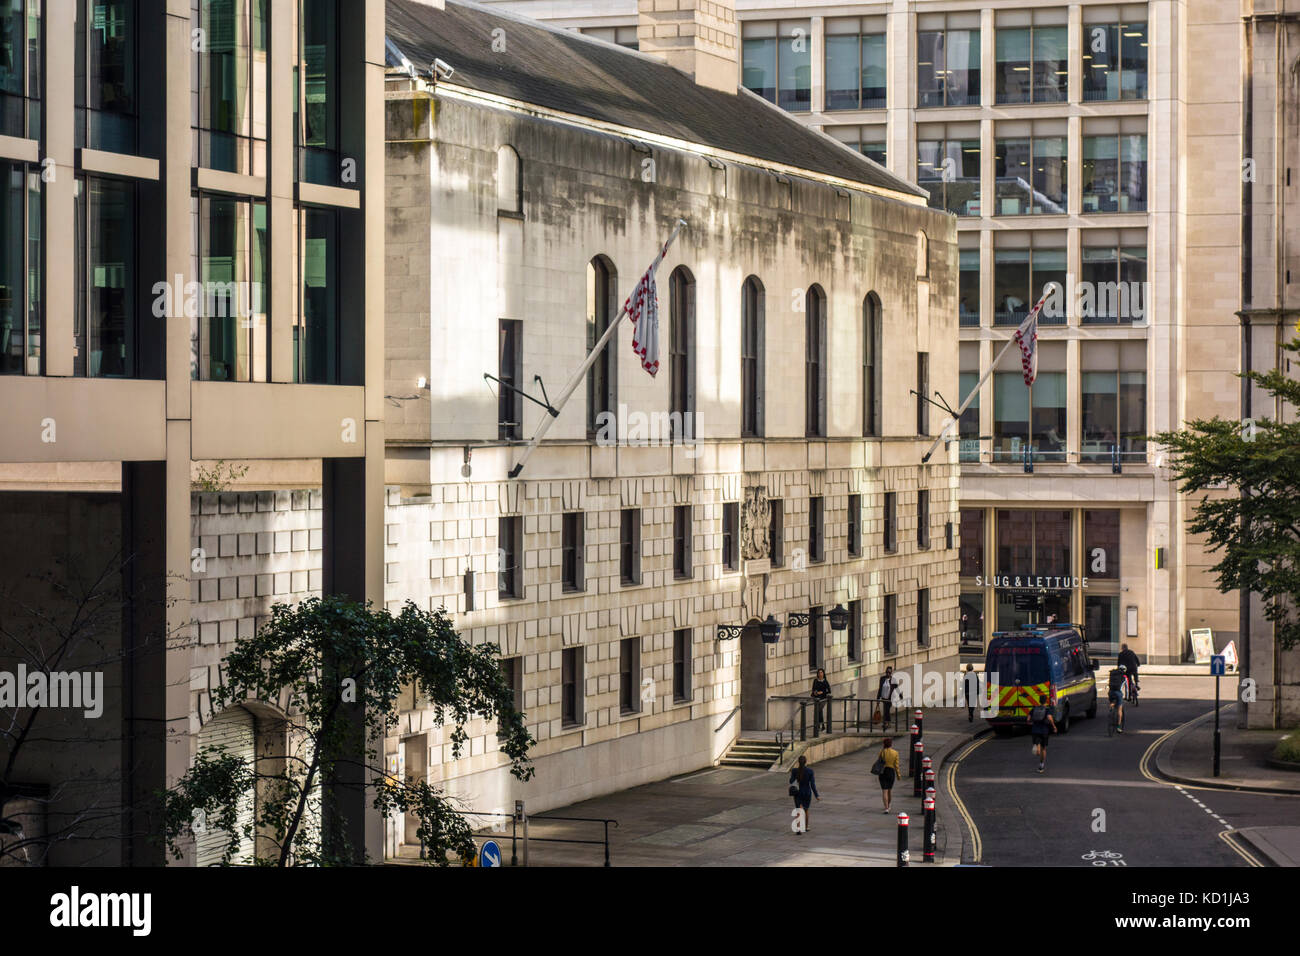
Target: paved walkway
pixel 1188 756
pixel 734 817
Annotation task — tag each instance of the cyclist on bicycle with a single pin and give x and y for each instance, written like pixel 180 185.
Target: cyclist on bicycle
pixel 1117 678
pixel 1129 660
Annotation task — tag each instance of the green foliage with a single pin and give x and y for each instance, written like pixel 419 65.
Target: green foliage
pixel 1255 526
pixel 218 477
pixel 337 669
pixel 1288 748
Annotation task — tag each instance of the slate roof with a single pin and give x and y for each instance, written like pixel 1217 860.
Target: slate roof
pixel 566 71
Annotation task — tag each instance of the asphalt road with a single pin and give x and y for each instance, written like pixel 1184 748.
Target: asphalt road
pixel 1099 802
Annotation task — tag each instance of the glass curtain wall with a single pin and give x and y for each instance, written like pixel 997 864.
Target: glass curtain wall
pixel 20 68
pixel 316 93
pixel 20 269
pixel 229 338
pixel 316 328
pixel 104 323
pixel 229 105
pixel 106 82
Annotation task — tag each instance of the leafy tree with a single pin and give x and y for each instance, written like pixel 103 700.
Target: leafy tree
pixel 1257 529
pixel 337 668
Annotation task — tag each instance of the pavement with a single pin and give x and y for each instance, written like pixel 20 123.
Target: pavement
pixel 726 816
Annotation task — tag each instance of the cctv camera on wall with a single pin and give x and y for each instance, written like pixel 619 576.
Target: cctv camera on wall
pixel 442 69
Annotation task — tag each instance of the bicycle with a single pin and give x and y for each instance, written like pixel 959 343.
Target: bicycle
pixel 1114 723
pixel 1132 690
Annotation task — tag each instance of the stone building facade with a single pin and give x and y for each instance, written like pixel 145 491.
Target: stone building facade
pixel 633 640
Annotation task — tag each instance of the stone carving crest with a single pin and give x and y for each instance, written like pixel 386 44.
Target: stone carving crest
pixel 756 524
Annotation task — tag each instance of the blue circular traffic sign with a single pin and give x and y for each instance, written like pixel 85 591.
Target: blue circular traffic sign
pixel 490 855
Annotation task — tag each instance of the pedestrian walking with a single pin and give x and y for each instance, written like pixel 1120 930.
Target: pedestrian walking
pixel 970 685
pixel 821 693
pixel 1041 725
pixel 803 787
pixel 886 768
pixel 886 693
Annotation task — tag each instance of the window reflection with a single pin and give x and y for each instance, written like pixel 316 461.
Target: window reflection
pixel 230 86
pixel 950 170
pixel 948 67
pixel 106 36
pixel 20 269
pixel 776 62
pixel 20 68
pixel 1114 61
pixel 104 322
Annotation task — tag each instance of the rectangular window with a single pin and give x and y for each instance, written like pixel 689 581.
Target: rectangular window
pixel 629 675
pixel 855 631
pixel 948 60
pixel 316 86
pixel 923 617
pixel 104 323
pixel 968 287
pixel 923 518
pixel 816 529
pixel 510 370
pixel 573 541
pixel 731 535
pixel 512 672
pixel 972 542
pixel 1030 173
pixel 571 687
pixel 776 62
pixel 682 665
pixel 623 36
pixel 1032 56
pixel 510 576
pixel 923 393
pixel 230 93
pixel 230 338
pixel 890 522
pixel 20 77
pixel 1023 265
pixel 1114 274
pixel 1031 416
pixel 683 542
pixel 1101 544
pixel 855 526
pixel 20 269
pixel 317 332
pixel 815 638
pixel 1114 59
pixel 1115 164
pixel 968 427
pixel 948 167
pixel 629 546
pixel 1113 384
pixel 776 533
pixel 855 63
pixel 681 358
pixel 889 639
pixel 105 92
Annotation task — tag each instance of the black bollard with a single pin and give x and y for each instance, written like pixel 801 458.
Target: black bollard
pixel 927 852
pixel 902 839
pixel 913 737
pixel 920 723
pixel 918 751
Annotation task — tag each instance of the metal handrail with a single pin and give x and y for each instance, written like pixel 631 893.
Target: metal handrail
pixel 605 820
pixel 797 726
pixel 734 712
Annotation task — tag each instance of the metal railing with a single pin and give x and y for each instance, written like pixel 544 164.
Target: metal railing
pixel 734 712
pixel 842 715
pixel 603 842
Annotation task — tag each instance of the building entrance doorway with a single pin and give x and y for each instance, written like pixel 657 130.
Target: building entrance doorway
pixel 415 760
pixel 753 679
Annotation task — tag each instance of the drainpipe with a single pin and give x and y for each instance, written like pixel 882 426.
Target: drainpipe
pixel 1247 225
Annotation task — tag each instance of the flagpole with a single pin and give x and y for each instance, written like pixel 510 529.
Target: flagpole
pixel 997 359
pixel 581 373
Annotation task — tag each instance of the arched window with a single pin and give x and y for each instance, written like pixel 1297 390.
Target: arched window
pixel 871 366
pixel 751 358
pixel 510 181
pixel 602 377
pixel 922 255
pixel 681 352
pixel 815 362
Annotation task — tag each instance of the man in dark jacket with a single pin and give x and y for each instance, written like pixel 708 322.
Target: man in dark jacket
pixel 821 692
pixel 1130 661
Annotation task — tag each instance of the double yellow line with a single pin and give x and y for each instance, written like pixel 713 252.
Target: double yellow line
pixel 950 781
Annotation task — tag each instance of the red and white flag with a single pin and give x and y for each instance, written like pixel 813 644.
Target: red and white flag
pixel 643 309
pixel 1027 338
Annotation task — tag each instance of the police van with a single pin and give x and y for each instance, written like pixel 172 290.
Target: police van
pixel 1047 664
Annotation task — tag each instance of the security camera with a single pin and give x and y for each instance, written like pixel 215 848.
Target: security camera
pixel 441 69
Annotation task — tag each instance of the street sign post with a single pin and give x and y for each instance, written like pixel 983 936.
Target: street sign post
pixel 490 855
pixel 1218 665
